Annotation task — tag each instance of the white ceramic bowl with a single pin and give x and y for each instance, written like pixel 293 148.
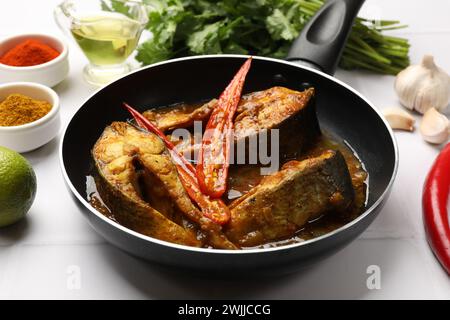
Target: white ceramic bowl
pixel 32 135
pixel 50 73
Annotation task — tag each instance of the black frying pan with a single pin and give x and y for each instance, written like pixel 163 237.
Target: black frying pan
pixel 341 110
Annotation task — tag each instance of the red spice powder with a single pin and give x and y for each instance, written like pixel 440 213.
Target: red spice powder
pixel 29 53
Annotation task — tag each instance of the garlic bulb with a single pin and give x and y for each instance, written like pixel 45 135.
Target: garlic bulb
pixel 399 119
pixel 423 86
pixel 435 127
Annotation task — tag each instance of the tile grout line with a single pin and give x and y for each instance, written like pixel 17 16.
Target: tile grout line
pixel 55 243
pixel 7 280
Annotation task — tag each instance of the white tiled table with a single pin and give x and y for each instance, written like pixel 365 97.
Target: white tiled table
pixel 40 255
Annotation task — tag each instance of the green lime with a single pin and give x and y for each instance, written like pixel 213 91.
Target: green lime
pixel 17 186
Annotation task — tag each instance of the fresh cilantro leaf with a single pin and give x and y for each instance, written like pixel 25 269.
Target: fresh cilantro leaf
pixel 235 48
pixel 206 40
pixel 258 27
pixel 279 26
pixel 116 6
pixel 151 52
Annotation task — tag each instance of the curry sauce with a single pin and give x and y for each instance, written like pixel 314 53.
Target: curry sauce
pixel 243 178
pixel 317 185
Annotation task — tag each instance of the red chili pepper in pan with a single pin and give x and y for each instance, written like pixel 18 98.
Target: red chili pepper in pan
pixel 434 206
pixel 214 209
pixel 214 155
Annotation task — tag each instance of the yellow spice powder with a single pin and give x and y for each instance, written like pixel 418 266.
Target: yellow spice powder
pixel 18 109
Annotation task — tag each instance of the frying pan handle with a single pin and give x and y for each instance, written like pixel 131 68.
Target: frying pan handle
pixel 322 40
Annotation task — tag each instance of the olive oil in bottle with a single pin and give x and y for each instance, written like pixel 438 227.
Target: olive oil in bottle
pixel 106 38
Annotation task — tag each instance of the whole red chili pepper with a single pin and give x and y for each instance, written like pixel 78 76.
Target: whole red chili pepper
pixel 214 209
pixel 214 155
pixel 434 206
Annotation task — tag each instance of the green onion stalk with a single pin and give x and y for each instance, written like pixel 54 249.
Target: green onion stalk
pixel 367 47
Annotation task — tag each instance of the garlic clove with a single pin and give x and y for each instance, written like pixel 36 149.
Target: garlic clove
pixel 435 127
pixel 399 119
pixel 423 86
